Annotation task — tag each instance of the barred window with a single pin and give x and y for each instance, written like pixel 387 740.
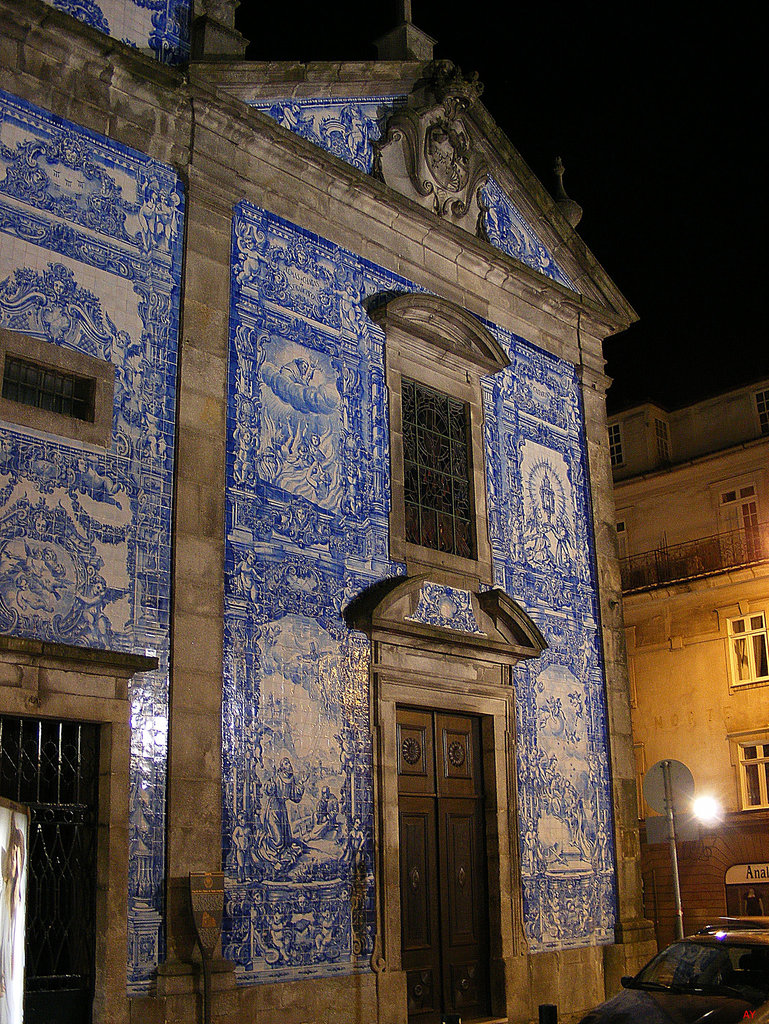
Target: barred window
pixel 436 461
pixel 44 387
pixel 56 389
pixel 438 355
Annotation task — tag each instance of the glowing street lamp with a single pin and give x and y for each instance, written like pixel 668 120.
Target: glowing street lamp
pixel 707 810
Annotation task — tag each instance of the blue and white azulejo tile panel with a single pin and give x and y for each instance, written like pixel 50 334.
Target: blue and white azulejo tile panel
pixel 307 521
pixel 90 259
pixel 347 127
pixel 539 522
pixel 344 127
pixel 447 608
pixel 159 27
pixel 506 228
pixel 307 514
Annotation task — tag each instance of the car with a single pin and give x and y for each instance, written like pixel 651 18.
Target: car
pixel 718 976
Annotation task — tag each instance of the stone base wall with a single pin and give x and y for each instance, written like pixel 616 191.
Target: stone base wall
pixel 573 980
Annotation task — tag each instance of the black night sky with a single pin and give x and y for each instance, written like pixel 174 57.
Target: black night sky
pixel 659 116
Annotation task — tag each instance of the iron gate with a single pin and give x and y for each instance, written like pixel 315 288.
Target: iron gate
pixel 53 767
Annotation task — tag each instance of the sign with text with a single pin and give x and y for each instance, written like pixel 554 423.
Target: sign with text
pixel 747 890
pixel 744 874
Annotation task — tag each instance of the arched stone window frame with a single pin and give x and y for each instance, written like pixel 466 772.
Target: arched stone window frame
pixel 437 343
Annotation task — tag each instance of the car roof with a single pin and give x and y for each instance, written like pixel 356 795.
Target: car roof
pixel 749 930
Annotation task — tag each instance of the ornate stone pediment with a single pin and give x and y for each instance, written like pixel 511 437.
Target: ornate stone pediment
pixel 437 612
pixel 427 150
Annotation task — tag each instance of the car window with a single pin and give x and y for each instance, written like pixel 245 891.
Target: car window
pixel 681 963
pixel 727 968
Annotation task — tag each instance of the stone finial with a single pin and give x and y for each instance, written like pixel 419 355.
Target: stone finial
pixel 213 32
pixel 572 211
pixel 406 41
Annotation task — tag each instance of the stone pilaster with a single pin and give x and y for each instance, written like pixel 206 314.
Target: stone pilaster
pixel 634 936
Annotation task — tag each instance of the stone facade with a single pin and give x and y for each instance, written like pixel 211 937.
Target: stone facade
pixel 252 263
pixel 691 506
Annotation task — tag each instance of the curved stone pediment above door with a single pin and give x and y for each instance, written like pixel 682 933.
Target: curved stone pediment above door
pixel 422 619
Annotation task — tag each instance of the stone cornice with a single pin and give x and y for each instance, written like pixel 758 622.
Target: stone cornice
pixel 274 80
pixel 28 19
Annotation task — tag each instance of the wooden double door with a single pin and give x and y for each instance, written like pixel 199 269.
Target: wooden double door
pixel 443 882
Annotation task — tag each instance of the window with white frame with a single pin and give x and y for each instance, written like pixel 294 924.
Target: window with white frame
pixel 754 773
pixel 663 439
pixel 743 494
pixel 748 644
pixel 739 515
pixel 615 444
pixel 762 405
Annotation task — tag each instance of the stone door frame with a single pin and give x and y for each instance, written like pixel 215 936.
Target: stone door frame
pixel 420 665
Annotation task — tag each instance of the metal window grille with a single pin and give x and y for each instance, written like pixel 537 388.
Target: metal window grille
pixel 52 767
pixel 46 388
pixel 436 463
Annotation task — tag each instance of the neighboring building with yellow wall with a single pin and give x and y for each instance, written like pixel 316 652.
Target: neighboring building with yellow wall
pixel 692 507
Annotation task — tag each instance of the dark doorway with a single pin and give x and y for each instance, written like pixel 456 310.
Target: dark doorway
pixel 444 906
pixel 53 767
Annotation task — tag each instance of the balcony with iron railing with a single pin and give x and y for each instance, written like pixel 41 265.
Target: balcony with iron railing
pixel 671 563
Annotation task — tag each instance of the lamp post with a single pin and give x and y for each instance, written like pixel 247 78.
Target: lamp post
pixel 668 788
pixel 668 784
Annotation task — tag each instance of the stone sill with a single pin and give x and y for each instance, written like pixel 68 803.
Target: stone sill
pixel 119 662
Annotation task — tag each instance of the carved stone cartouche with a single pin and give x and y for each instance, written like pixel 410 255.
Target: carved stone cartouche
pixel 427 150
